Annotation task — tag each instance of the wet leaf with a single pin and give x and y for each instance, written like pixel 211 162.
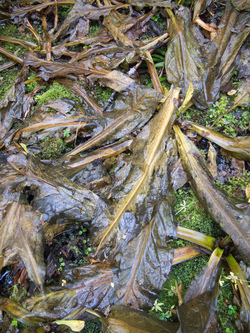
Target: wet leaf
pixel 53 123
pixel 183 60
pixel 211 161
pixel 88 286
pixel 75 325
pixel 52 69
pixel 22 234
pixel 131 110
pixel 248 192
pixel 81 9
pixel 197 314
pixel 17 311
pixel 239 147
pixel 186 253
pixel 209 65
pixel 233 221
pixel 11 107
pixel 241 4
pixel 123 319
pixel 141 219
pixel 153 3
pixel 148 153
pixel 53 194
pixel 115 25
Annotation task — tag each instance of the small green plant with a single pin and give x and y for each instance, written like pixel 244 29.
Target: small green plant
pixel 157 306
pixel 62 264
pixel 14 322
pixel 94 28
pixel 18 292
pixel 232 310
pixel 63 11
pixel 160 21
pixel 32 85
pixel 66 133
pixel 88 250
pixel 228 330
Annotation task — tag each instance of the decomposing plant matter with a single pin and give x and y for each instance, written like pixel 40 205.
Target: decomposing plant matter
pixel 115 175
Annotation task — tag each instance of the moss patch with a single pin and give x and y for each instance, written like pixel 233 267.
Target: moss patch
pixel 102 94
pixel 94 28
pixel 53 148
pixel 190 214
pixel 236 185
pixel 63 11
pixel 55 91
pixel 11 30
pixel 7 78
pixel 233 123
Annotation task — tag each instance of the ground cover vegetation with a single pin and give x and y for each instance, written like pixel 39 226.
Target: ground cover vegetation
pixel 124 163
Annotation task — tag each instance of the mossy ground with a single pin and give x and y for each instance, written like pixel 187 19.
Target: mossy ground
pixel 11 30
pixel 53 148
pixel 233 123
pixel 53 92
pixel 236 185
pixel 7 78
pixel 191 215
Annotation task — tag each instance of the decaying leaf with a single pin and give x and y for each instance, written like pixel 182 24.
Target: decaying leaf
pixel 11 107
pixel 248 192
pixel 75 325
pixel 22 237
pixel 198 312
pixel 209 65
pixel 183 61
pixel 131 110
pixel 22 314
pixel 233 221
pixel 148 153
pixel 239 147
pixel 129 226
pixel 126 320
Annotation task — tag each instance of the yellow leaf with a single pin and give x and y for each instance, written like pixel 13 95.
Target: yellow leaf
pixel 75 325
pixel 248 192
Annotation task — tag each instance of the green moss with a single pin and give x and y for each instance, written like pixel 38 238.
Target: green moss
pixel 11 30
pixel 233 123
pixel 102 94
pixel 31 86
pixel 7 78
pixel 160 21
pixel 53 148
pixel 94 28
pixel 63 11
pixel 191 215
pixel 234 185
pixel 93 326
pixel 225 299
pixel 54 92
